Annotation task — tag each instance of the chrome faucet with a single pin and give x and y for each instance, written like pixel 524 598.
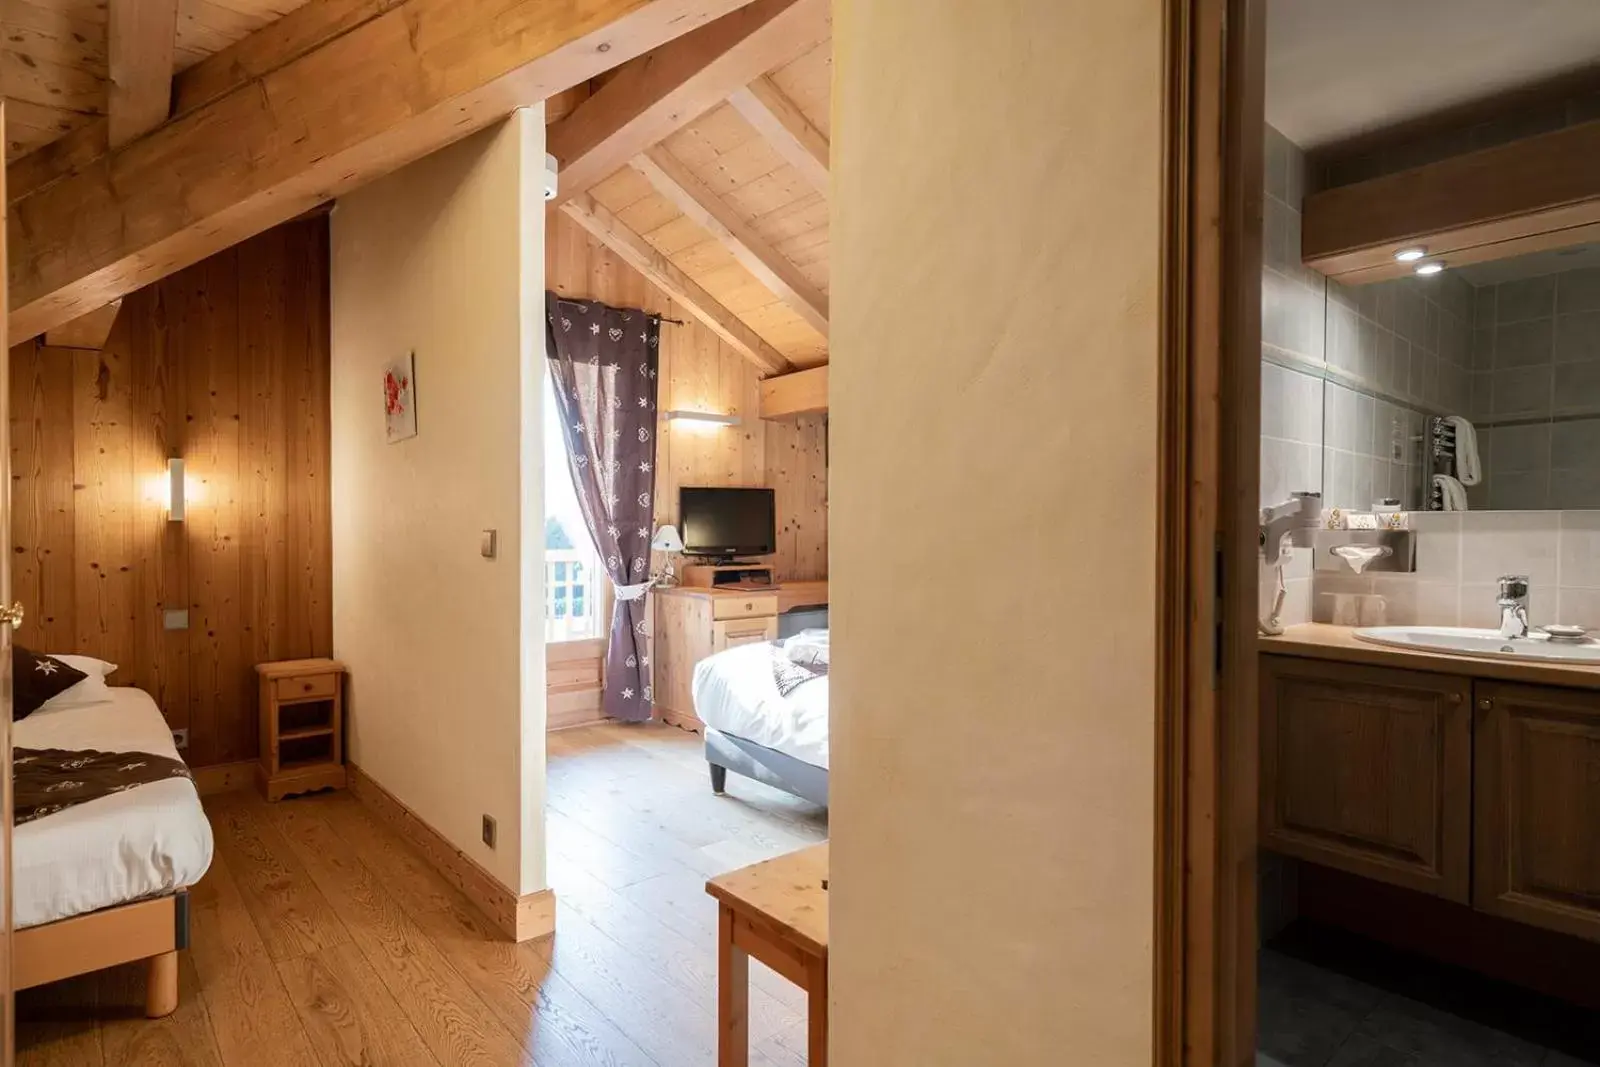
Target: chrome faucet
pixel 1513 602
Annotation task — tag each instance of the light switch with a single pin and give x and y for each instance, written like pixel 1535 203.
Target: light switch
pixel 489 544
pixel 175 618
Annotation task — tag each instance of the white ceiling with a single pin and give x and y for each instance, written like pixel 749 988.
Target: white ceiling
pixel 1338 68
pixel 1531 265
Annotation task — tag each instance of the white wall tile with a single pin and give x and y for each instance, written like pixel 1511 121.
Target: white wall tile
pixel 1579 558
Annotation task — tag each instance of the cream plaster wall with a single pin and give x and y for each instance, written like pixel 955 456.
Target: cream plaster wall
pixel 996 252
pixel 445 258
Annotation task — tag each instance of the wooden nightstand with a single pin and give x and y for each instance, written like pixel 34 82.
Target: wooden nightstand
pixel 302 727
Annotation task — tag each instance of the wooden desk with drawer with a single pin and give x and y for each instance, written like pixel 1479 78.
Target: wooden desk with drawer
pixel 693 623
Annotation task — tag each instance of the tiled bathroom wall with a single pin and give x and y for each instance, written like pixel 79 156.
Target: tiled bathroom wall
pixel 1348 375
pixel 1536 391
pixel 1459 558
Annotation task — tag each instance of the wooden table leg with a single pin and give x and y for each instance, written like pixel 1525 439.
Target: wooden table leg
pixel 817 1013
pixel 733 996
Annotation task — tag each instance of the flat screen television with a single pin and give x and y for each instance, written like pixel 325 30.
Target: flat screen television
pixel 727 522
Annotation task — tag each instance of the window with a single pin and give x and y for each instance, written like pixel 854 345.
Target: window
pixel 573 579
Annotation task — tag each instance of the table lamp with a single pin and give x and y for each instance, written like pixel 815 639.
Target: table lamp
pixel 667 541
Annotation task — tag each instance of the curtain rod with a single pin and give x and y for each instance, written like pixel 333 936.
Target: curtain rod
pixel 658 318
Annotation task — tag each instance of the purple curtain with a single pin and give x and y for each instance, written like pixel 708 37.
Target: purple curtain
pixel 603 366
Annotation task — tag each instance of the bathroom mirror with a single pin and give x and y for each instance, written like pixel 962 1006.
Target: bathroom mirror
pixel 1362 384
pixel 1500 359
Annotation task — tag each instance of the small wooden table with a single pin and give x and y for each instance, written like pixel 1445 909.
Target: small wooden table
pixel 776 911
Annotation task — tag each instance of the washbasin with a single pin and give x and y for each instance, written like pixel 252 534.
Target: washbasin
pixel 1464 641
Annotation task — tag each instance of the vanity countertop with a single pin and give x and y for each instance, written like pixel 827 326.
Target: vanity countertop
pixel 1319 640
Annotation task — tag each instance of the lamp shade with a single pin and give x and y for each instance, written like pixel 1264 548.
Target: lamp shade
pixel 667 540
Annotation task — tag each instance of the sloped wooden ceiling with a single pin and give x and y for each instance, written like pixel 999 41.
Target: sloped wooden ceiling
pixel 741 167
pixel 54 67
pixel 744 214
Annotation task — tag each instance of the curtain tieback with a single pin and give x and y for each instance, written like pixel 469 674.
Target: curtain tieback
pixel 633 592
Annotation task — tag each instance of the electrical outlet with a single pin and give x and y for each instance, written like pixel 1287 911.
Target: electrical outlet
pixel 488 830
pixel 180 738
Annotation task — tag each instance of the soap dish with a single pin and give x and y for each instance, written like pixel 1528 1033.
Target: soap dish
pixel 1562 632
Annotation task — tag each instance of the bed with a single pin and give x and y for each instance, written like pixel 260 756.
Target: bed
pixel 753 729
pixel 106 882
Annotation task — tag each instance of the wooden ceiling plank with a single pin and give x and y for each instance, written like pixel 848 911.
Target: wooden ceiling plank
pixel 85 331
pixel 139 45
pixel 695 199
pixel 786 128
pixel 666 276
pixel 362 104
pixel 655 95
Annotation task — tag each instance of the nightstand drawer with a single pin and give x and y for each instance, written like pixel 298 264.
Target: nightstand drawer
pixel 309 687
pixel 731 633
pixel 754 606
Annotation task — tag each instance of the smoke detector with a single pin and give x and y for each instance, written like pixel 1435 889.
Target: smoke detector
pixel 550 168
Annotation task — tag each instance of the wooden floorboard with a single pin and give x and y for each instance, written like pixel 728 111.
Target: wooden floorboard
pixel 321 938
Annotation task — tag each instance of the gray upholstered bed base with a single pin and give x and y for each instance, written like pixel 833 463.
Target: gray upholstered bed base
pixel 725 753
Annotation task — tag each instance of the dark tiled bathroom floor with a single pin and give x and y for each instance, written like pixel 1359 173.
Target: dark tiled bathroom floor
pixel 1330 1000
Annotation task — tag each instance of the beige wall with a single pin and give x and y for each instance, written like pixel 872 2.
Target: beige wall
pixel 446 652
pixel 996 250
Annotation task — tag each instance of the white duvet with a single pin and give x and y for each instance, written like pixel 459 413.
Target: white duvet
pixel 735 692
pixel 140 843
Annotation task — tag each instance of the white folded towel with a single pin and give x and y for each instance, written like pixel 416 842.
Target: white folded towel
pixel 1468 470
pixel 1452 493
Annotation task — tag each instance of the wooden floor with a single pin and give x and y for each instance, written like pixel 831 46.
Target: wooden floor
pixel 320 938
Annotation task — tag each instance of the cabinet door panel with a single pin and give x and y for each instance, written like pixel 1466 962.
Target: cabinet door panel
pixel 743 632
pixel 1538 806
pixel 1368 770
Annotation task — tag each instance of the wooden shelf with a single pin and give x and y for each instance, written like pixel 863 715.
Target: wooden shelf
pixel 308 731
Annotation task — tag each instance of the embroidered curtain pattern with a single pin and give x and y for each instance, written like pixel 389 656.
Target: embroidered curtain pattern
pixel 603 363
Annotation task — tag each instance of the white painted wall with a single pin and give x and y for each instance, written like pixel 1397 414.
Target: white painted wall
pixel 445 258
pixel 996 254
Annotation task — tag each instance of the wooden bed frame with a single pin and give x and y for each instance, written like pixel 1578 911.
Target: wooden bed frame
pixel 153 930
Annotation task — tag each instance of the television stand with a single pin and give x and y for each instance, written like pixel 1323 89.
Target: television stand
pixel 716 575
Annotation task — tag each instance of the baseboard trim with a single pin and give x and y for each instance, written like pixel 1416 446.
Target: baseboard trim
pixel 519 918
pixel 223 777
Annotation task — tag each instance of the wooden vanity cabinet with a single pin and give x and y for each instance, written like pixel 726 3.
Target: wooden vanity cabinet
pixel 1369 770
pixel 1537 806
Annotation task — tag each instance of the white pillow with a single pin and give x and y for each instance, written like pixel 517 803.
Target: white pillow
pixel 92 690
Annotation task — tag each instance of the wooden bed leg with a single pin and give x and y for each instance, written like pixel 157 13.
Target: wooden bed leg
pixel 161 985
pixel 719 778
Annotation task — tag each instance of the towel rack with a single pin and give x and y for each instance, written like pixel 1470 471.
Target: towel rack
pixel 1441 457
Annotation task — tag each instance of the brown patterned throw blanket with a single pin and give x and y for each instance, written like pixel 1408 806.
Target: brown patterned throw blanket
pixel 797 661
pixel 48 780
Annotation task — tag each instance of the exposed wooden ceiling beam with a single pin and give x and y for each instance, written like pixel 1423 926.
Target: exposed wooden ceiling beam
pixel 267 49
pixel 85 331
pixel 1457 207
pixel 140 39
pixel 805 392
pixel 710 212
pixel 666 276
pixel 786 128
pixel 655 95
pixel 406 82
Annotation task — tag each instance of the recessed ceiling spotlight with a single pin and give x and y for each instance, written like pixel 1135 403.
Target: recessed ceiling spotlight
pixel 1430 268
pixel 1410 255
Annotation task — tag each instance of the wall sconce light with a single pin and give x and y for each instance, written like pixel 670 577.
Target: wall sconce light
pixel 708 417
pixel 175 495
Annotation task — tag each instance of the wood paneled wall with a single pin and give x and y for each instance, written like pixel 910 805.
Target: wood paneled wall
pixel 700 372
pixel 226 365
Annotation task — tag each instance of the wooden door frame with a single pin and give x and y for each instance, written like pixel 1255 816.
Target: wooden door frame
pixel 1207 715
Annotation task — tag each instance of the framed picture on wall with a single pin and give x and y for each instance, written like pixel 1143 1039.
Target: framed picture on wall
pixel 400 398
